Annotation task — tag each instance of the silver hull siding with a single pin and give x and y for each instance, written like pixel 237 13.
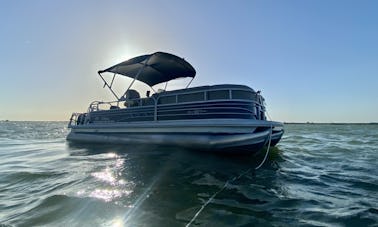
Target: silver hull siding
pixel 234 136
pixel 201 142
pixel 229 126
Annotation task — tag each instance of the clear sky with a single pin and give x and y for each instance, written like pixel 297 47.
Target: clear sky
pixel 314 60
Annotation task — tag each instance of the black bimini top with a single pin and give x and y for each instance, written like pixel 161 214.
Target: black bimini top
pixel 154 68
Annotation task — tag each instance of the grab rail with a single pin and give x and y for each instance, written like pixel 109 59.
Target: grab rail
pixel 73 119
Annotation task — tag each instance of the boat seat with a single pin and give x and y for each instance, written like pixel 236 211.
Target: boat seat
pixel 130 95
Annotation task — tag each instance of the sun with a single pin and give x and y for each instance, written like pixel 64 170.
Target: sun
pixel 120 53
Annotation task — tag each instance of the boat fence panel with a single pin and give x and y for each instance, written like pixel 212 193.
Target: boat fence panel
pixel 220 94
pixel 193 97
pixel 167 99
pixel 246 95
pixel 148 102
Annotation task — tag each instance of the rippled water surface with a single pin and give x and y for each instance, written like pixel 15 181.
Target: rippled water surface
pixel 318 175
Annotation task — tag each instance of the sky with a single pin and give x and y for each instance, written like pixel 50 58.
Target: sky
pixel 313 60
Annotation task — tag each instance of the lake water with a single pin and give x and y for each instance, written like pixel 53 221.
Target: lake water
pixel 318 175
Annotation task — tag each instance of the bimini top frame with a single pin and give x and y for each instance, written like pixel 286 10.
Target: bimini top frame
pixel 151 69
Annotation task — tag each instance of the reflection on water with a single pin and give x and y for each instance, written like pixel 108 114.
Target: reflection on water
pixel 164 185
pixel 319 175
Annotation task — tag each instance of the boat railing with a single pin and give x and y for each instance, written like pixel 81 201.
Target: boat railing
pixel 209 96
pixel 163 100
pixel 115 105
pixel 101 105
pixel 77 119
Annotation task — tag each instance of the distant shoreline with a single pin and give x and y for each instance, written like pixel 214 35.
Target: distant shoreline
pixel 286 123
pixel 34 121
pixel 322 123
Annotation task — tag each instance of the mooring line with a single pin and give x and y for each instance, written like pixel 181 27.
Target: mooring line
pixel 232 180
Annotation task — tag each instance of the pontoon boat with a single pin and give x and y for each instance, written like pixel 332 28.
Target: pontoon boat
pixel 226 117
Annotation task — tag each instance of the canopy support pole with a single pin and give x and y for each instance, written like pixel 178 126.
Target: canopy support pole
pixel 190 82
pixel 136 77
pixel 109 86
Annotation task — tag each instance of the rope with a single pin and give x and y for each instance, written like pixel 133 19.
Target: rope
pixel 267 150
pixel 232 180
pixel 205 204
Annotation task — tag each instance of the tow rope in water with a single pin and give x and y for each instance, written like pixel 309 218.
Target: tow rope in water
pixel 232 180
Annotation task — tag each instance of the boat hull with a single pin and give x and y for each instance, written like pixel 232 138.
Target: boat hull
pixel 230 136
pixel 276 137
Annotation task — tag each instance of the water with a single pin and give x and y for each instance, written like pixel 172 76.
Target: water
pixel 318 175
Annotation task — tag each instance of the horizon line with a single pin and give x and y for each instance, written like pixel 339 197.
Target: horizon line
pixel 284 122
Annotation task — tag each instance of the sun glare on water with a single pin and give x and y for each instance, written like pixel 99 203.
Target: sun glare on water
pixel 110 183
pixel 117 222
